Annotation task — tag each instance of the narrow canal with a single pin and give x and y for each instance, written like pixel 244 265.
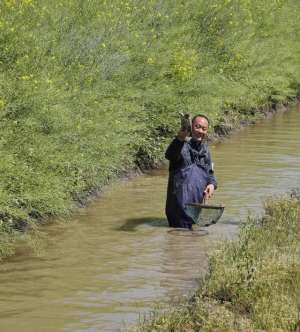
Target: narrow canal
pixel 117 258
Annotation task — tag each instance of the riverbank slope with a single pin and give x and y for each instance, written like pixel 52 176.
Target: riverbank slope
pixel 90 90
pixel 253 282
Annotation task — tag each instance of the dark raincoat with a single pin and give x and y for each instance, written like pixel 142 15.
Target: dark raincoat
pixel 190 172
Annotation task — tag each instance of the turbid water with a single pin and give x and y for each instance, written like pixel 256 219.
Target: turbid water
pixel 117 258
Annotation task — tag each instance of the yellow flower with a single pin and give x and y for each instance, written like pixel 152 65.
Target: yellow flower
pixel 10 3
pixel 27 2
pixel 25 78
pixel 184 63
pixel 2 104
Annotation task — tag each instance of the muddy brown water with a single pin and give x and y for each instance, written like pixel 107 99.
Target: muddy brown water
pixel 118 259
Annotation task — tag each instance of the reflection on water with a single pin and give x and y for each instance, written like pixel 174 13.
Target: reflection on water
pixel 131 224
pixel 119 258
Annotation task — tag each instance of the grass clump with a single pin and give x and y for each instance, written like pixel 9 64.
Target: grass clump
pixel 253 284
pixel 90 89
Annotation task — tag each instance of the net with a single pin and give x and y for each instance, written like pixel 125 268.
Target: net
pixel 204 215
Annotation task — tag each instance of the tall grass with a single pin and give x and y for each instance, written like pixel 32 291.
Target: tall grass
pixel 91 88
pixel 253 284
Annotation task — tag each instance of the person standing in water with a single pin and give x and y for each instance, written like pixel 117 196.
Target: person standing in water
pixel 191 176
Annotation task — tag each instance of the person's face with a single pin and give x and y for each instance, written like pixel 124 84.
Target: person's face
pixel 199 128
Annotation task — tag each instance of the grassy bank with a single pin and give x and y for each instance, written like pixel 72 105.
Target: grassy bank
pixel 253 284
pixel 91 88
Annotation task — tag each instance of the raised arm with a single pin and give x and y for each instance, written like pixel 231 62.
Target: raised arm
pixel 173 152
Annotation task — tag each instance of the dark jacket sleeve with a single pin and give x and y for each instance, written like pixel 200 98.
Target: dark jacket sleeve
pixel 173 152
pixel 211 176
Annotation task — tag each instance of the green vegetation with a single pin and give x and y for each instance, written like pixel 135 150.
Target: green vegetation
pixel 89 89
pixel 253 284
